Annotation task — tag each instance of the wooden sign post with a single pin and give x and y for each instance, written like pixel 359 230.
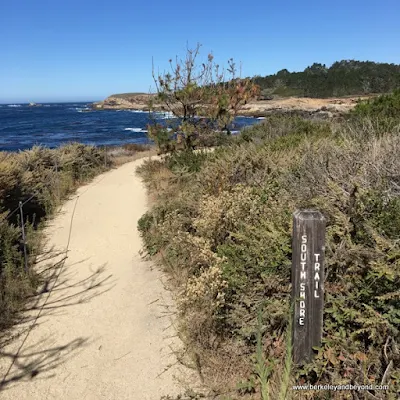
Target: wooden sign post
pixel 308 248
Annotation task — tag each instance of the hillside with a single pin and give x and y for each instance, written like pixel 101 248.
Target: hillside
pixel 342 78
pixel 221 226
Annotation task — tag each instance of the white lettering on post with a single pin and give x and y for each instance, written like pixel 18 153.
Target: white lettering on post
pixel 317 277
pixel 303 261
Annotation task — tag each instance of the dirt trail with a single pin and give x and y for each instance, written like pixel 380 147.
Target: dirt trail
pixel 103 331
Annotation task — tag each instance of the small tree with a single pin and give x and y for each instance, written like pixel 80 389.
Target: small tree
pixel 203 98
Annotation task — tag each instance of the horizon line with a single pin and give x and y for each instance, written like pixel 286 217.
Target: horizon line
pixel 48 102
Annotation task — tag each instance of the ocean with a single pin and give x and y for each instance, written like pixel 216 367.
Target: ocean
pixel 52 125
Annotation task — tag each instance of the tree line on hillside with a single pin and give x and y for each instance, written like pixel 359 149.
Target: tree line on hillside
pixel 343 78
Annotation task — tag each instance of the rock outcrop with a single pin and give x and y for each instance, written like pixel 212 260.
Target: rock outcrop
pixel 126 101
pixel 305 107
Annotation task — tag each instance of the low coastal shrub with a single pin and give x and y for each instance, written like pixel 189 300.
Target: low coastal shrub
pixel 381 113
pixel 386 106
pixel 46 177
pixel 223 229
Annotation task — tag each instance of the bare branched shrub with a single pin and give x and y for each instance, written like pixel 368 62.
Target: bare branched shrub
pixel 203 97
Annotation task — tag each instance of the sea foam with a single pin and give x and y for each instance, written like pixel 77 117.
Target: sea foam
pixel 135 130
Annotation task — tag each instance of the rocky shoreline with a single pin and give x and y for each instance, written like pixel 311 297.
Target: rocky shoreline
pixel 310 108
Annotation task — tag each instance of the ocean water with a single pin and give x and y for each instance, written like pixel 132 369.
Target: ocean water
pixel 52 125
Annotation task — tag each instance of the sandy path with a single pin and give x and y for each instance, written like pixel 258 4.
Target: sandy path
pixel 104 331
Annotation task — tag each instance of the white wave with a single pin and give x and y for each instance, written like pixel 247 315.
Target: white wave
pixel 261 118
pixel 165 115
pixel 79 109
pixel 14 105
pixel 135 111
pixel 135 130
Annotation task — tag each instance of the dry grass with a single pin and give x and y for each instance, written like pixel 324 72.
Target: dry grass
pixel 120 155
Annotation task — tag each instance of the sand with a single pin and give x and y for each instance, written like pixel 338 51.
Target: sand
pixel 102 330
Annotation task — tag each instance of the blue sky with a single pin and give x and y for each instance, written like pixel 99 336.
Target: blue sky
pixel 86 50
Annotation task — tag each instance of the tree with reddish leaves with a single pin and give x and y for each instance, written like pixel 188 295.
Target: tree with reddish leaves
pixel 203 98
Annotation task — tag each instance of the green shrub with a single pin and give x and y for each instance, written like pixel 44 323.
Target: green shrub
pixel 383 113
pixel 285 131
pixel 187 161
pixel 385 106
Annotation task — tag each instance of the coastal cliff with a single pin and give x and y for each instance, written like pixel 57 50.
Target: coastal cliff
pixel 307 107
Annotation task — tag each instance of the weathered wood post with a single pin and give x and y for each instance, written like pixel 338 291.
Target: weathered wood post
pixel 308 248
